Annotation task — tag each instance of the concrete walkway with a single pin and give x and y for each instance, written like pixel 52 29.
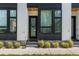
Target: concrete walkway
pixel 32 50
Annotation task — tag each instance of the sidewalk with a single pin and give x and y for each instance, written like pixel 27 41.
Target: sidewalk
pixel 32 50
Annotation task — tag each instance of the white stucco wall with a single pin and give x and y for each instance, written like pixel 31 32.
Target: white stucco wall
pixel 77 25
pixel 66 21
pixel 22 21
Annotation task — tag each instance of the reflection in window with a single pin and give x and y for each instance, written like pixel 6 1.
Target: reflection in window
pixel 13 21
pixel 46 17
pixel 57 13
pixel 3 21
pixel 46 21
pixel 33 27
pixel 12 25
pixel 58 25
pixel 12 13
pixel 58 21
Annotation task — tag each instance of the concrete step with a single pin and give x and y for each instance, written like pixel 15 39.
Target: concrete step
pixel 31 44
pixel 76 44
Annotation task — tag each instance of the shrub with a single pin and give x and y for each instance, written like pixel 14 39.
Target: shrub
pixel 9 44
pixel 1 44
pixel 41 43
pixel 17 44
pixel 55 44
pixel 70 43
pixel 47 44
pixel 65 44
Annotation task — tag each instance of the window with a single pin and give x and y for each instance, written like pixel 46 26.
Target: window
pixel 51 21
pixel 46 21
pixel 12 25
pixel 12 13
pixel 7 20
pixel 57 13
pixel 58 23
pixel 3 21
pixel 13 21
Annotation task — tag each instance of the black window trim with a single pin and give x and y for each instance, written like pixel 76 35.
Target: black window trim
pixel 57 18
pixel 8 19
pixel 53 20
pixel 14 18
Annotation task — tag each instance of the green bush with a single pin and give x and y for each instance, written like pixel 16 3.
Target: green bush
pixel 55 44
pixel 41 43
pixel 9 44
pixel 47 44
pixel 1 44
pixel 65 44
pixel 70 43
pixel 17 44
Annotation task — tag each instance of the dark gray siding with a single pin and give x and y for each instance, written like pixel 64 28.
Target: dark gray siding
pixel 8 5
pixel 51 6
pixel 45 5
pixel 75 5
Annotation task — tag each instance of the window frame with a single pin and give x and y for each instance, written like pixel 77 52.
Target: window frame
pixel 53 21
pixel 45 26
pixel 8 19
pixel 13 18
pixel 6 22
pixel 57 18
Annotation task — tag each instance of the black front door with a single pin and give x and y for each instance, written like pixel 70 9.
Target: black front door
pixel 32 27
pixel 73 28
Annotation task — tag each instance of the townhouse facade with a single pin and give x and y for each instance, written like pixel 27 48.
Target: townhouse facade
pixel 36 21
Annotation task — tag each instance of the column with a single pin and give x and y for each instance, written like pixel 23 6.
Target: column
pixel 77 25
pixel 22 21
pixel 66 21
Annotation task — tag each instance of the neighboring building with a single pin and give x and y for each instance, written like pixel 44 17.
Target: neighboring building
pixel 35 21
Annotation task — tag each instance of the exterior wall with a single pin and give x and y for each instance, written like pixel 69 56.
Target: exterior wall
pixel 8 35
pixel 46 6
pixel 77 25
pixel 8 5
pixel 66 21
pixel 22 21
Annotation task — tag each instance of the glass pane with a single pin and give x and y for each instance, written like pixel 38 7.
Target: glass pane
pixel 12 13
pixel 12 25
pixel 33 32
pixel 33 27
pixel 3 21
pixel 45 30
pixel 46 17
pixel 58 25
pixel 46 20
pixel 3 17
pixel 33 22
pixel 57 13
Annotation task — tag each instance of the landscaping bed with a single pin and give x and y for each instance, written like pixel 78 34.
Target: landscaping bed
pixel 55 44
pixel 41 44
pixel 11 45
